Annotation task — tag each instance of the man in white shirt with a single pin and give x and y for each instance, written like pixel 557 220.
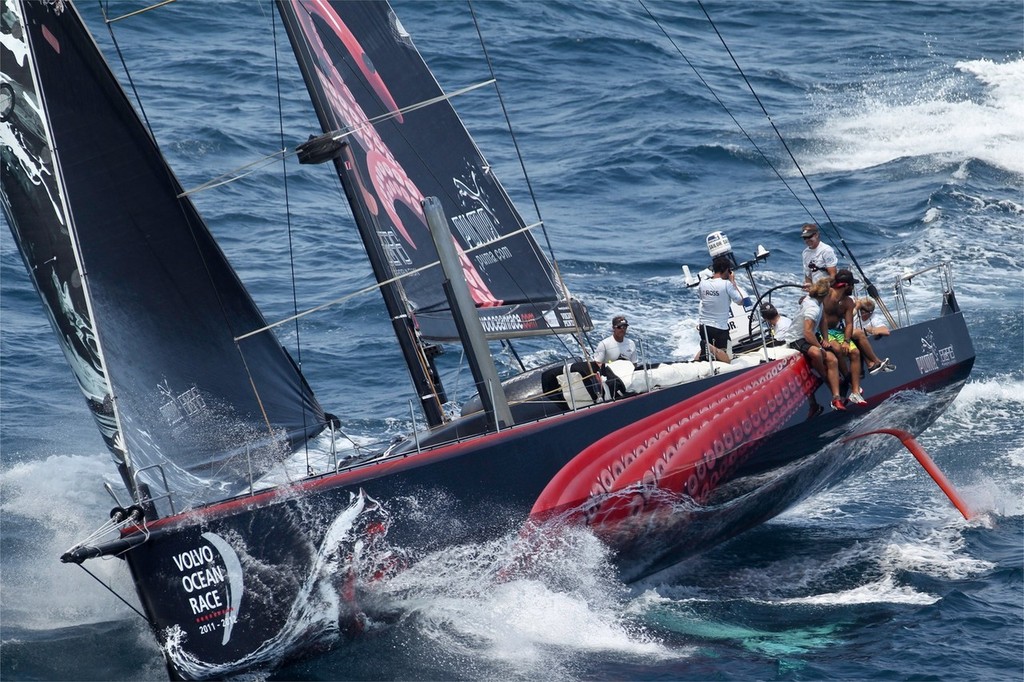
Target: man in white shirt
pixel 713 319
pixel 820 260
pixel 616 346
pixel 870 320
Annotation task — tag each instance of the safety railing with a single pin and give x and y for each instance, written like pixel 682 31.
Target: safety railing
pixel 904 281
pixel 145 492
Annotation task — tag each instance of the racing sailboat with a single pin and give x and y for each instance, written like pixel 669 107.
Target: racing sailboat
pixel 200 404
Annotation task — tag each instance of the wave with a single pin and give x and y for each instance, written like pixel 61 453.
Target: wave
pixel 465 605
pixel 938 552
pixel 976 112
pixel 48 506
pixel 882 591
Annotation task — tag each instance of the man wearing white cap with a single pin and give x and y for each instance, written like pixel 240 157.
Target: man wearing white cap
pixel 819 259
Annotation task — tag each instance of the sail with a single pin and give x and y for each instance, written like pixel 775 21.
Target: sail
pixel 365 78
pixel 143 301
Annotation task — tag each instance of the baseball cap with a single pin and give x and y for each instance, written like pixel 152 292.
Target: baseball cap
pixel 844 278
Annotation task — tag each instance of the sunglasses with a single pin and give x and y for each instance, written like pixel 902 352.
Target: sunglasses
pixel 809 237
pixel 621 326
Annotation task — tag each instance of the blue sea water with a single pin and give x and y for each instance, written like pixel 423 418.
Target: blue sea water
pixel 908 119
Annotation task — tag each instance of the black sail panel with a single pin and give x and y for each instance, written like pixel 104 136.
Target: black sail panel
pixel 144 303
pixel 366 80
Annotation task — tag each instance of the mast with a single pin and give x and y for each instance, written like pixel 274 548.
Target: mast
pixel 395 139
pixel 418 355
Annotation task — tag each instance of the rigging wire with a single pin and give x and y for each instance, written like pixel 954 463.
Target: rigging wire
pixel 529 185
pixel 831 224
pixel 240 172
pixel 336 135
pixel 739 125
pixel 139 11
pixel 768 116
pixel 104 5
pixel 183 200
pixel 126 458
pixel 378 285
pixel 111 590
pixel 504 111
pixel 872 290
pixel 288 219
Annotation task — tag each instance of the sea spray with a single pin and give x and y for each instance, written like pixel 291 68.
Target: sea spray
pixel 317 613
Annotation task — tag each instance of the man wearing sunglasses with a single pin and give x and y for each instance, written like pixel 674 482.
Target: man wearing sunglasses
pixel 870 320
pixel 616 346
pixel 819 259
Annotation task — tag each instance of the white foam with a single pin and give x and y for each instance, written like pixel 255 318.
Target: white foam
pixel 884 591
pixel 536 622
pixel 989 407
pixel 897 119
pixel 995 495
pixel 50 495
pixel 1016 457
pixel 1005 80
pixel 935 551
pixel 322 454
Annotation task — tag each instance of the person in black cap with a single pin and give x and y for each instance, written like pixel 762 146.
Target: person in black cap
pixel 616 346
pixel 820 260
pixel 776 322
pixel 845 339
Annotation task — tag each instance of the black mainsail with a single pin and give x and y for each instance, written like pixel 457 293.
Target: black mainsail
pixel 145 305
pixel 402 141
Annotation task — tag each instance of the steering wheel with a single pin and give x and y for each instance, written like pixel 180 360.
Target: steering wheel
pixel 756 310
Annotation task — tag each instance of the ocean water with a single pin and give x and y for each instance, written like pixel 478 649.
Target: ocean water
pixel 908 120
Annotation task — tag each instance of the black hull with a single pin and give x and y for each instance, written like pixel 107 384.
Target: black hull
pixel 259 567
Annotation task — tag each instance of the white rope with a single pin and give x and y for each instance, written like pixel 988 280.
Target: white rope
pixel 111 526
pixel 336 135
pixel 139 11
pixel 376 286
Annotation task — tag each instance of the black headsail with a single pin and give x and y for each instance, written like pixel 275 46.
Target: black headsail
pixel 365 77
pixel 141 297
